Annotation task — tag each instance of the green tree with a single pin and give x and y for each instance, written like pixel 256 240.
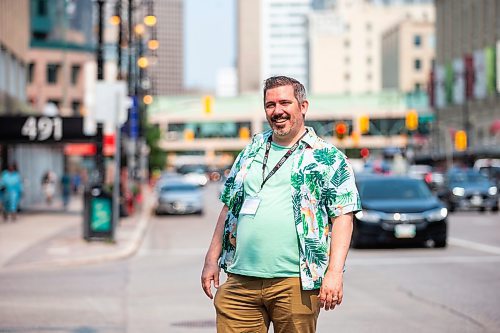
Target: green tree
pixel 157 156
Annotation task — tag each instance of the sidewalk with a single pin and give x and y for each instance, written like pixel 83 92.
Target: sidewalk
pixel 49 236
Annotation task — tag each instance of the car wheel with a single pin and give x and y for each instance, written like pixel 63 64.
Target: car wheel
pixel 200 212
pixel 482 209
pixel 451 207
pixel 495 208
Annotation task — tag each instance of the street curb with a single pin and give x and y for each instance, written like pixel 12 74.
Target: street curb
pixel 129 250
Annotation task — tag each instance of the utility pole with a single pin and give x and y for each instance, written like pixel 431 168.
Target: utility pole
pixel 100 40
pixel 120 39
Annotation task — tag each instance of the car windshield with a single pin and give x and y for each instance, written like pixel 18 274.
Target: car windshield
pixel 179 188
pixel 468 177
pixel 393 189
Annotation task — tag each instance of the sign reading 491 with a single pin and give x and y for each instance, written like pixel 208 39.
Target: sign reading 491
pixel 42 128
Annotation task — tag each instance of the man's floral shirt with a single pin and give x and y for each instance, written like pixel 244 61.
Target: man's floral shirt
pixel 322 186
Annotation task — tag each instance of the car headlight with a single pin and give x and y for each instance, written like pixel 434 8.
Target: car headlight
pixel 438 214
pixel 368 216
pixel 492 190
pixel 458 191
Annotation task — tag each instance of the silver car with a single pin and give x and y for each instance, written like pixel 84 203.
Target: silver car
pixel 179 197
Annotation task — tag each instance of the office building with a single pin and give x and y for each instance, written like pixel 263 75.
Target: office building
pixel 345 48
pixel 465 86
pixel 408 50
pixel 168 72
pixel 14 43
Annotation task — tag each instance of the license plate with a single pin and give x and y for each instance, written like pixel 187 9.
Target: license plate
pixel 405 230
pixel 476 200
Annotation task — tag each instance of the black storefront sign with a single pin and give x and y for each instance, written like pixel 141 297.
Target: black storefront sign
pixel 42 129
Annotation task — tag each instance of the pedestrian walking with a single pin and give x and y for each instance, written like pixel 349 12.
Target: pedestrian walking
pixel 65 188
pixel 284 231
pixel 49 183
pixel 12 190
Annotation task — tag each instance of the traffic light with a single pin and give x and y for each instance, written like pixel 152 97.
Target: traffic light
pixel 411 120
pixel 188 134
pixel 208 104
pixel 341 130
pixel 364 152
pixel 244 133
pixel 364 124
pixel 460 141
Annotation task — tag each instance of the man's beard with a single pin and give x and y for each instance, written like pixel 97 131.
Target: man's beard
pixel 283 131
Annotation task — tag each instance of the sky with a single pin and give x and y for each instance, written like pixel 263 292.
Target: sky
pixel 210 41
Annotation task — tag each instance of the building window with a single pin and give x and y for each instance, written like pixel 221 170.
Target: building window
pixel 41 8
pixel 368 26
pixel 417 40
pixel 347 60
pixel 347 43
pixel 75 106
pixel 75 74
pixel 369 60
pixel 52 73
pixel 417 64
pixel 31 72
pixel 347 76
pixel 369 76
pixel 418 86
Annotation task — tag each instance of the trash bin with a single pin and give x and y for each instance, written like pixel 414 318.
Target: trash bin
pixel 98 214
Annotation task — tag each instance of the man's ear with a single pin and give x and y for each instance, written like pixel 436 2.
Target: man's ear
pixel 303 107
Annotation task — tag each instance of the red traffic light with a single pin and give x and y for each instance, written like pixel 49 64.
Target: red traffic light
pixel 365 152
pixel 341 129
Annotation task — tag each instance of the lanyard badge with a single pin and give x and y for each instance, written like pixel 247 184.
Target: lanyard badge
pixel 251 204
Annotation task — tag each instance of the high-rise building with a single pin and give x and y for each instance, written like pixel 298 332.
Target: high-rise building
pixel 249 46
pixel 168 72
pixel 408 50
pixel 345 51
pixel 272 40
pixel 285 39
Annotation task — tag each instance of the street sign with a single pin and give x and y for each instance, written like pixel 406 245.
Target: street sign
pixel 41 129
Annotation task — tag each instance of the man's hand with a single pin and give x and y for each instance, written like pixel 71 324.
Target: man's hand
pixel 210 273
pixel 331 292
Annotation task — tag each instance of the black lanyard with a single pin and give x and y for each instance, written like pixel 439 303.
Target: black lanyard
pixel 280 162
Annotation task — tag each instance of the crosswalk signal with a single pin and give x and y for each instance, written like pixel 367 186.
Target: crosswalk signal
pixel 341 130
pixel 411 120
pixel 364 124
pixel 208 104
pixel 461 141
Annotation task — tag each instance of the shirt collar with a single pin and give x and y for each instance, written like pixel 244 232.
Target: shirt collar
pixel 310 138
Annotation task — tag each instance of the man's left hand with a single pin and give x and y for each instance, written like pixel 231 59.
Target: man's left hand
pixel 330 294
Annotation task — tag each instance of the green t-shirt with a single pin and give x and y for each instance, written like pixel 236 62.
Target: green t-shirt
pixel 267 244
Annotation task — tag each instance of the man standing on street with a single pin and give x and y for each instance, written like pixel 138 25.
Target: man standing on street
pixel 285 228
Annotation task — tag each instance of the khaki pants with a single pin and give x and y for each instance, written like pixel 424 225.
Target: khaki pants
pixel 249 304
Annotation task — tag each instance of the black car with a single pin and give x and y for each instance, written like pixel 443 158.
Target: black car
pixel 469 189
pixel 398 210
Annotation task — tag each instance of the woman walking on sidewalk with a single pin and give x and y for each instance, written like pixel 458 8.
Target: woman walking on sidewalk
pixel 12 188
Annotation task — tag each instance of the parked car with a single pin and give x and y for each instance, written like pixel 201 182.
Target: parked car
pixel 398 209
pixel 196 174
pixel 179 196
pixel 469 189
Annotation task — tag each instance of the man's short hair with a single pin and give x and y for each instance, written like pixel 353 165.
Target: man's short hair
pixel 278 81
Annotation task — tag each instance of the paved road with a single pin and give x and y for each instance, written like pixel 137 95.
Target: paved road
pixel 456 289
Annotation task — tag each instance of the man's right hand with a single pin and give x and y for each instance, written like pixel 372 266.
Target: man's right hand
pixel 210 273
